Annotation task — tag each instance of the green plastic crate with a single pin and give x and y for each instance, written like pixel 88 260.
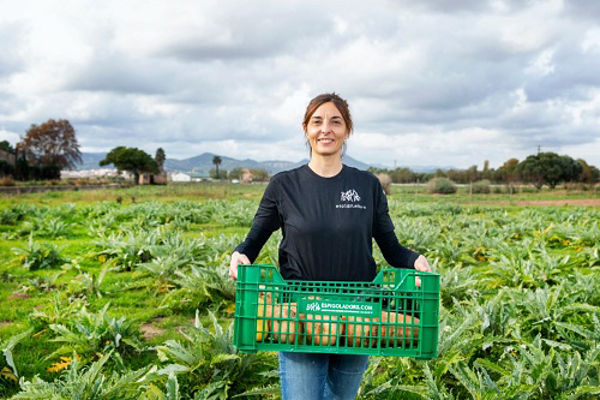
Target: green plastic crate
pixel 390 316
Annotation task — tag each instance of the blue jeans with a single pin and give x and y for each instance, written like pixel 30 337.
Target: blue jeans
pixel 315 376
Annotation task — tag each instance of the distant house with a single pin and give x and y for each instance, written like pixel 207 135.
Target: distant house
pixel 180 177
pixel 153 179
pixel 7 157
pixel 247 176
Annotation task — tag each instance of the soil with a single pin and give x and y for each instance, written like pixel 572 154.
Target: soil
pixel 150 331
pixel 5 323
pixel 560 202
pixel 19 296
pixel 551 203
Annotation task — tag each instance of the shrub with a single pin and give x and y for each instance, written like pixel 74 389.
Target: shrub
pixel 570 186
pixel 209 366
pixel 36 256
pixel 90 334
pixel 481 186
pixel 441 186
pixel 6 359
pixel 386 182
pixel 7 181
pixel 93 382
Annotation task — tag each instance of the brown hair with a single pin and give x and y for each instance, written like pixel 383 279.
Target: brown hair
pixel 340 104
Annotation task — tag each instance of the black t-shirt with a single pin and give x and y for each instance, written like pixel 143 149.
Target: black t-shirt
pixel 328 225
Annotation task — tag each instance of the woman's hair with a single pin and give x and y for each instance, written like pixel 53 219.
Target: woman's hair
pixel 341 105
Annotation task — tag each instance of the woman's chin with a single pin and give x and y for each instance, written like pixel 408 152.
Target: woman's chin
pixel 328 152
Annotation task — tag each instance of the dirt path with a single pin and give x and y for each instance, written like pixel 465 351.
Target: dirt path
pixel 554 203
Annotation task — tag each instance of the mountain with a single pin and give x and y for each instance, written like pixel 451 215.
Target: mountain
pixel 92 161
pixel 202 164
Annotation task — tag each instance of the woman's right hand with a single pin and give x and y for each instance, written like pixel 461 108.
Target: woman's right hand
pixel 236 259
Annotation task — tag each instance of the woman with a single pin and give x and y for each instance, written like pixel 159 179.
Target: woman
pixel 329 214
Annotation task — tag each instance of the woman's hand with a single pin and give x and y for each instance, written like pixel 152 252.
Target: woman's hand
pixel 421 264
pixel 236 259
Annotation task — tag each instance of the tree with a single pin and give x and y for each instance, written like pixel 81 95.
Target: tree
pixel 217 161
pixel 5 145
pixel 236 173
pixel 571 170
pixel 402 175
pixel 486 173
pixel 131 160
pixel 589 173
pixel 472 173
pixel 160 158
pixel 549 168
pixel 215 174
pixel 259 174
pixel 508 173
pixel 7 162
pixel 51 146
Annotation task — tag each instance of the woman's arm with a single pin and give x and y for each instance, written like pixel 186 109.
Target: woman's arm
pixel 399 256
pixel 266 221
pixel 247 252
pixel 383 231
pixel 394 253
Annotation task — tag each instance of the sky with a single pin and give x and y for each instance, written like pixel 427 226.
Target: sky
pixel 429 82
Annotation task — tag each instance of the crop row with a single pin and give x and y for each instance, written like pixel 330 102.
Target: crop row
pixel 519 312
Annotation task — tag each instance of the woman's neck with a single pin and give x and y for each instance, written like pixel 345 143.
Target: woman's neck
pixel 326 166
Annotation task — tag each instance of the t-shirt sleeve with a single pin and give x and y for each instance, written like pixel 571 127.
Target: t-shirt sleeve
pixel 256 239
pixel 394 253
pixel 382 222
pixel 268 215
pixel 266 221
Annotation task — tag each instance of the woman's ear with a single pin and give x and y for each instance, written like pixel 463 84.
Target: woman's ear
pixel 304 129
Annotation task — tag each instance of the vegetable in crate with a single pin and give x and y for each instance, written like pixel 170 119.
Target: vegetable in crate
pixel 361 331
pixel 264 313
pixel 393 329
pixel 321 333
pixel 284 330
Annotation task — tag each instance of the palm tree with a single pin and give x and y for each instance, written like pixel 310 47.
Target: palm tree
pixel 217 161
pixel 160 158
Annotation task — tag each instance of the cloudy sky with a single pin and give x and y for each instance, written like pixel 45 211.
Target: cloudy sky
pixel 429 82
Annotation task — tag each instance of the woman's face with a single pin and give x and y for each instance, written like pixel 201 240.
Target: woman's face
pixel 326 130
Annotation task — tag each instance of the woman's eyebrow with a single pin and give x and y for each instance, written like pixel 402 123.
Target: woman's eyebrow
pixel 319 117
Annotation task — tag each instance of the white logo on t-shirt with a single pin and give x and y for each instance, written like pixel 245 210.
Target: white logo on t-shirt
pixel 350 195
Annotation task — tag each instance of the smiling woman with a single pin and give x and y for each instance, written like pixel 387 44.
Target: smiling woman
pixel 327 122
pixel 329 214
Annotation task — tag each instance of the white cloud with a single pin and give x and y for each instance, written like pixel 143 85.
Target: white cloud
pixel 429 82
pixel 11 137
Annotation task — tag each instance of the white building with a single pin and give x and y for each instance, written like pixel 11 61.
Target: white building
pixel 180 177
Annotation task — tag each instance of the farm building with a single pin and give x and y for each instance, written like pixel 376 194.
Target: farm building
pixel 180 177
pixel 153 179
pixel 7 157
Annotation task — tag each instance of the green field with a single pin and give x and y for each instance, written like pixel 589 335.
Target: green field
pixel 124 294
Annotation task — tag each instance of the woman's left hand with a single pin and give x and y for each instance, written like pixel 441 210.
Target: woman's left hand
pixel 421 264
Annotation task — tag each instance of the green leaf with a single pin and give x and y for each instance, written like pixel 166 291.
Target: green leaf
pixel 172 388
